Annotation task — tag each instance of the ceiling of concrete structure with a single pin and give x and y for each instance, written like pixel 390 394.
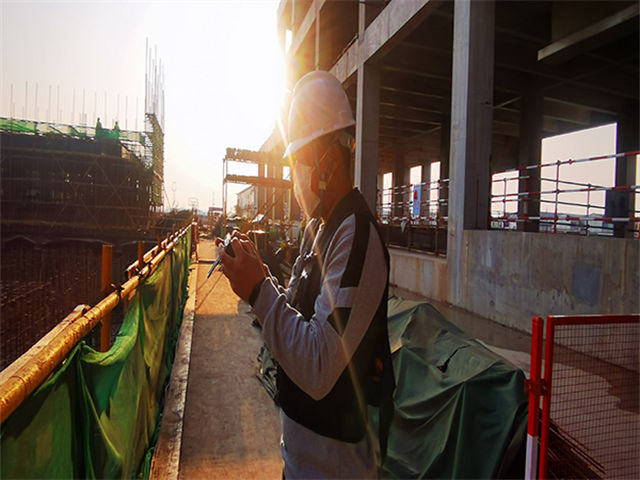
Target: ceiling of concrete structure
pixel 581 55
pixel 589 82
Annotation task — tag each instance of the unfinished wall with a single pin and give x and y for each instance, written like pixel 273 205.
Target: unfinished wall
pixel 419 272
pixel 511 276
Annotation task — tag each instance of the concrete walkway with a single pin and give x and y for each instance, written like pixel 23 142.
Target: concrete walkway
pixel 231 426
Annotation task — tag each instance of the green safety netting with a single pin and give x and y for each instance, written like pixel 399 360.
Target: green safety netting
pixel 12 125
pixel 97 415
pixel 45 128
pixel 459 408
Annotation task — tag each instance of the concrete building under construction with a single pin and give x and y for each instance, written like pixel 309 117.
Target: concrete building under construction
pixel 475 87
pixel 64 191
pixel 98 183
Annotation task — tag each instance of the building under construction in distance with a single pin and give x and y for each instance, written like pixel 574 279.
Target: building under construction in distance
pixel 67 181
pixel 65 191
pixel 269 197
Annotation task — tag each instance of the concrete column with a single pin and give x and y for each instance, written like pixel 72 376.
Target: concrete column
pixel 270 211
pixel 426 187
pixel 399 189
pixel 262 191
pixel 367 11
pixel 365 170
pixel 367 122
pixel 279 196
pixel 293 17
pixel 471 131
pixel 318 50
pixel 627 141
pixel 294 209
pixel 531 118
pixel 445 143
pixel 426 172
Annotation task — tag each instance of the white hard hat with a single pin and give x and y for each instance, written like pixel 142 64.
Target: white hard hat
pixel 319 106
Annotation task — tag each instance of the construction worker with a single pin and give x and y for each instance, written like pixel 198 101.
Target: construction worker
pixel 328 330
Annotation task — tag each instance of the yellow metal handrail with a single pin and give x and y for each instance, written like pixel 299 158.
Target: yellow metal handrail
pixel 24 375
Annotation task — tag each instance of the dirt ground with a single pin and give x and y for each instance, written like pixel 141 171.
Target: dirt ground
pixel 231 427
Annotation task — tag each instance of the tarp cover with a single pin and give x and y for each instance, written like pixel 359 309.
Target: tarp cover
pixel 96 416
pixel 460 409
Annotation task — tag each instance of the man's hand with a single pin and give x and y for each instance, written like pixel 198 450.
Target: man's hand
pixel 245 270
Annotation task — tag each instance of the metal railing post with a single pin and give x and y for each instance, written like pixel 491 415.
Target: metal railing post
pixel 555 218
pixel 534 391
pixel 105 331
pixel 140 255
pixel 546 399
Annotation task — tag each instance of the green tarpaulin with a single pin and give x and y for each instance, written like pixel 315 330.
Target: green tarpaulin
pixel 96 416
pixel 460 409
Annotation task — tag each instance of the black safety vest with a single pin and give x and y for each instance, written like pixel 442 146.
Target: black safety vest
pixel 369 377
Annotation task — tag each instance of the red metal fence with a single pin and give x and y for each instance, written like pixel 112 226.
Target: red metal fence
pixel 590 414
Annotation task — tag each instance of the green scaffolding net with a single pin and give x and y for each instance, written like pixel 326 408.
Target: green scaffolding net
pixel 97 415
pixel 15 125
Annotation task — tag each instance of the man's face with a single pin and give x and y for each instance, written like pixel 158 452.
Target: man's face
pixel 309 158
pixel 305 164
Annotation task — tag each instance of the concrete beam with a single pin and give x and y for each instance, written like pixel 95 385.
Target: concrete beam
pixel 516 62
pixel 429 102
pixel 417 72
pixel 430 64
pixel 390 27
pixel 391 132
pixel 284 8
pixel 409 114
pixel 305 26
pixel 260 181
pixel 599 32
pixel 506 128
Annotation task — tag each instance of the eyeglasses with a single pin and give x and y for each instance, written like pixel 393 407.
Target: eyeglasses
pixel 307 155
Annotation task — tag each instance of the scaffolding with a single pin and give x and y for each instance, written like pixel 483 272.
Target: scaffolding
pixel 268 181
pixel 154 123
pixel 77 180
pixel 72 185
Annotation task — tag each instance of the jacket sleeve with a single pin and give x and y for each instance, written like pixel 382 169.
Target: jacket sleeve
pixel 314 353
